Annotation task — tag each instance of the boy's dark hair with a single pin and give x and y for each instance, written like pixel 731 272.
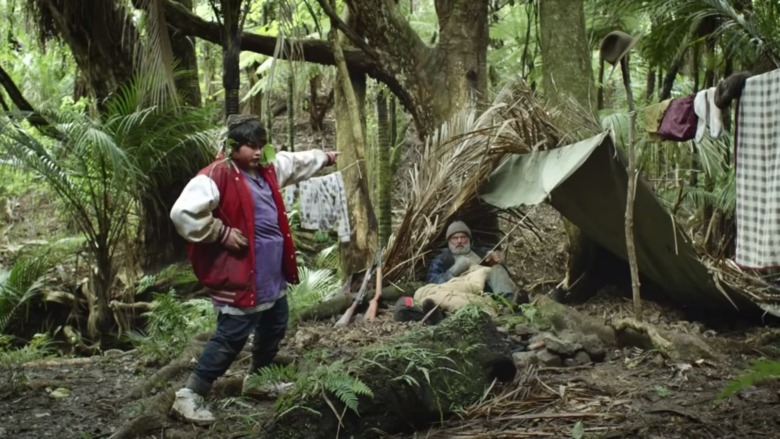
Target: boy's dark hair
pixel 245 129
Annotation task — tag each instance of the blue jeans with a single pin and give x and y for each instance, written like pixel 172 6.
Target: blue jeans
pixel 230 337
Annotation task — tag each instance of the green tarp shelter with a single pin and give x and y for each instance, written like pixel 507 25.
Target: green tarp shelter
pixel 587 183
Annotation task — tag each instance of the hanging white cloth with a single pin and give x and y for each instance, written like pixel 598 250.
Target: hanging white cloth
pixel 323 205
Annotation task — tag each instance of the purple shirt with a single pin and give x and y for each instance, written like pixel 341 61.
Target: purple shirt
pixel 269 248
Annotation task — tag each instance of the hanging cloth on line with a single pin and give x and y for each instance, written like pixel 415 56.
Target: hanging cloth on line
pixel 653 116
pixel 323 205
pixel 709 114
pixel 758 172
pixel 679 121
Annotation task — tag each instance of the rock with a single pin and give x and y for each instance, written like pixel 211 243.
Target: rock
pixel 539 338
pixel 523 330
pixel 503 330
pixel 593 347
pixel 525 359
pixel 567 344
pixel 581 358
pixel 548 358
pixel 570 362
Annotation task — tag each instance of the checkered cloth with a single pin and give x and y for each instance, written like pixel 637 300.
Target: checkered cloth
pixel 758 172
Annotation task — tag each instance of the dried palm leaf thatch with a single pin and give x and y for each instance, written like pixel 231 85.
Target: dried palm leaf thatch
pixel 746 282
pixel 455 160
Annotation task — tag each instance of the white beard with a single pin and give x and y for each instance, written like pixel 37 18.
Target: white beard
pixel 460 251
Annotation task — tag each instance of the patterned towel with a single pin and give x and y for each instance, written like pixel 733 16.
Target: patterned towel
pixel 323 205
pixel 758 172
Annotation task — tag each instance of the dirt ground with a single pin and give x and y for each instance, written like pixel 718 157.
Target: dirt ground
pixel 631 394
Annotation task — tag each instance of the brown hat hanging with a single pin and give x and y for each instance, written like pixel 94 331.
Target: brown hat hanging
pixel 615 46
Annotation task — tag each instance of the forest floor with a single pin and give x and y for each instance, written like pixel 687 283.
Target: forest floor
pixel 631 394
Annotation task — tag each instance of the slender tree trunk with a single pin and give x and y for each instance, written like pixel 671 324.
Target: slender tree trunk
pixel 633 175
pixel 231 49
pixel 384 178
pixel 349 93
pixel 650 84
pixel 184 50
pixel 291 112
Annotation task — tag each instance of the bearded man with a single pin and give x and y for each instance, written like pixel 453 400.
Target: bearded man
pixel 459 256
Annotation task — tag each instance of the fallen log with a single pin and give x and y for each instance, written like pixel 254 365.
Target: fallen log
pixel 417 379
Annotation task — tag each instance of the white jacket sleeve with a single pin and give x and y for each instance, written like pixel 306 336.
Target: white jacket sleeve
pixel 191 214
pixel 292 167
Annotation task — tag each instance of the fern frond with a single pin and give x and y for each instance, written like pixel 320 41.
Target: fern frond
pixel 758 371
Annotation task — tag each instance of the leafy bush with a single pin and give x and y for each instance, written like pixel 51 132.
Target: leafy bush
pixel 171 323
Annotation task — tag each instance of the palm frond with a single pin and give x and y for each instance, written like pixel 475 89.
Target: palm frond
pixel 315 285
pixel 25 279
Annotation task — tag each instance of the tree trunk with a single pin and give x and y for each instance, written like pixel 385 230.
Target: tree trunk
pixel 384 178
pixel 184 50
pixel 290 112
pixel 433 82
pixel 568 75
pixel 567 58
pixel 101 37
pixel 231 49
pixel 350 94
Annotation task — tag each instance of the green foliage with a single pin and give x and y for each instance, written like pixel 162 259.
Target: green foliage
pixel 315 284
pixel 328 258
pixel 170 325
pixel 25 279
pixel 758 371
pixel 327 379
pixel 109 165
pixel 10 358
pixel 419 361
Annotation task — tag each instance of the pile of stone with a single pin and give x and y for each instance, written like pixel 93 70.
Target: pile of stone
pixel 563 349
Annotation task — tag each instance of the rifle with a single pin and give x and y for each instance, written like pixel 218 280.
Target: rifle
pixel 374 304
pixel 347 316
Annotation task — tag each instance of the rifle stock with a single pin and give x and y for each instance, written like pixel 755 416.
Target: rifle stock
pixel 347 316
pixel 374 304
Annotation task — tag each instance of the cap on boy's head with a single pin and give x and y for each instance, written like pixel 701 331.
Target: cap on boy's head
pixel 458 227
pixel 245 129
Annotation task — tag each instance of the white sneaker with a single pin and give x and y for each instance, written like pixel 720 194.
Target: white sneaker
pixel 267 391
pixel 191 407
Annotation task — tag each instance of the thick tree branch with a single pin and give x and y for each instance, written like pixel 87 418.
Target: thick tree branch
pixel 343 27
pixel 35 118
pixel 314 51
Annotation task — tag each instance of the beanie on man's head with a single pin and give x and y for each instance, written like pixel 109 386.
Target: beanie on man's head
pixel 458 226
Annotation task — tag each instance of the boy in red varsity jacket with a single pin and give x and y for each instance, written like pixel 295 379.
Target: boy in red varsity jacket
pixel 241 249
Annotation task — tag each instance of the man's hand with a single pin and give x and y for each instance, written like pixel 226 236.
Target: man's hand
pixel 461 264
pixel 235 240
pixel 493 258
